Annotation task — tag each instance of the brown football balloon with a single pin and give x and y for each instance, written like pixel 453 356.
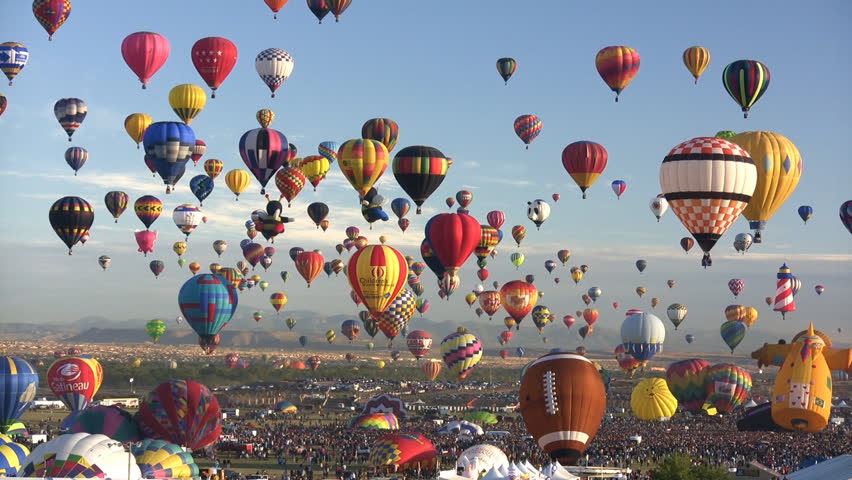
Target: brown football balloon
pixel 562 402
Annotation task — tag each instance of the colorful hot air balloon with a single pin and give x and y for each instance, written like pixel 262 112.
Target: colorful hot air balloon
pixel 733 333
pixel 686 380
pixel 207 302
pixel 315 168
pixel 264 151
pixel 70 113
pixel 51 14
pixel 506 67
pixel 187 101
pixel 309 265
pixel 337 7
pixel 779 167
pixel 419 170
pixel 784 291
pixel 159 459
pixel 584 161
pixel 689 338
pixel 617 66
pixel 319 8
pixel 264 117
pixel 805 213
pixel 237 181
pixel 461 353
pixel 155 329
pixel 274 66
pixel 214 58
pixel 213 167
pixel 13 59
pixel 696 59
pixel 145 53
pixel 362 161
pixel 432 368
pixel 81 455
pixel 116 203
pixel 746 81
pixel 186 217
pixel 396 316
pixel 538 211
pixel 20 383
pixel 169 146
pixel 383 130
pixel 183 412
pixel 75 380
pixel 707 194
pixel 736 286
pixel 659 206
pixel 726 386
pixel 518 298
pixel 527 128
pixel 71 218
pixel 619 187
pixel 846 215
pixel 686 243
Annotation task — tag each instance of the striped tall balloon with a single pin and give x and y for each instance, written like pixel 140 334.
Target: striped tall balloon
pixel 264 151
pixel 746 81
pixel 784 301
pixel 461 352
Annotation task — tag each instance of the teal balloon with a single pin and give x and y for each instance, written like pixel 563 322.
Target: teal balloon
pixel 733 333
pixel 18 385
pixel 207 302
pixel 303 340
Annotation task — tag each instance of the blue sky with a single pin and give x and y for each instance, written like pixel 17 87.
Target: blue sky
pixel 430 67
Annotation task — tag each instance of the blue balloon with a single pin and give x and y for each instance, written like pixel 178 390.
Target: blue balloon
pixel 207 302
pixel 400 207
pixel 19 381
pixel 521 351
pixel 201 186
pixel 640 265
pixel 169 146
pixel 806 212
pixel 325 149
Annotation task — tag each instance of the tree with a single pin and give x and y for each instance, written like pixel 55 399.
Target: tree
pixel 679 466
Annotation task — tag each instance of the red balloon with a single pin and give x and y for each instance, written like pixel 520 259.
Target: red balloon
pixel 75 380
pixel 584 161
pixel 482 274
pixel 453 237
pixel 419 342
pixel 214 58
pixel 569 320
pixel 309 265
pixel 183 412
pixel 145 53
pixel 496 218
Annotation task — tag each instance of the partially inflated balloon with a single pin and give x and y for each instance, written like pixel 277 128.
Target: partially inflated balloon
pixel 183 412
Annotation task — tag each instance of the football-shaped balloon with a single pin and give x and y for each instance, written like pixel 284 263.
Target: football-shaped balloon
pixel 562 402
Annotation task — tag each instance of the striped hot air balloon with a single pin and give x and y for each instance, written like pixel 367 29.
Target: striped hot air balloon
pixel 617 66
pixel 746 81
pixel 461 353
pixel 784 301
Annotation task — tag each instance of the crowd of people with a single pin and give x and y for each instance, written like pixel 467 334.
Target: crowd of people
pixel 329 447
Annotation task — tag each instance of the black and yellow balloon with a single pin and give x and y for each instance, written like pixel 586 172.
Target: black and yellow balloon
pixel 187 100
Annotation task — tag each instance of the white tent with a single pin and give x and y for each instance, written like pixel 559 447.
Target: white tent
pixel 842 404
pixel 837 468
pixel 750 403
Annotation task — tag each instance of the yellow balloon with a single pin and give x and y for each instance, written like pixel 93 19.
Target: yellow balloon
pixel 577 275
pixel 237 181
pixel 380 364
pixel 641 291
pixel 135 124
pixel 383 239
pixel 470 298
pixel 363 161
pixel 377 275
pixel 652 400
pixel 179 248
pixel 696 60
pixel 314 168
pixel 779 167
pixel 750 316
pixel 187 101
pixel 137 362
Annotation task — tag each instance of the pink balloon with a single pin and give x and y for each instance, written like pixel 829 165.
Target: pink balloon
pixel 145 53
pixel 146 239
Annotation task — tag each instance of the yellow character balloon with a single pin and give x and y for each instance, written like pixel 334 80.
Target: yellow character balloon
pixel 651 399
pixel 779 167
pixel 187 101
pixel 801 398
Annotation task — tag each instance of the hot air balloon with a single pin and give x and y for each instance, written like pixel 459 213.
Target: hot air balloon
pixel 70 113
pixel 736 286
pixel 461 353
pixel 518 298
pixel 278 300
pixel 275 6
pixel 79 455
pixel 187 101
pixel 641 291
pixel 659 206
pixel 116 203
pixel 159 459
pixel 643 336
pixel 169 146
pixel 641 265
pixel 51 14
pixel 677 314
pixel 75 380
pixel 527 128
pixel 135 125
pixel 779 167
pixel 576 275
pixel 214 58
pixel 157 267
pixel 733 333
pixel 419 170
pixel 20 383
pixel 71 218
pixel 584 161
pixel 362 161
pixel 785 289
pixel 183 412
pixel 742 242
pixel 696 59
pixel 186 217
pixel 453 237
pixel 686 380
pixel 726 386
pixel 213 167
pixel 805 213
pixel 707 194
pixel 208 302
pixel 562 400
pixel 689 338
pixel 396 316
pixel 540 317
pixel 145 53
pixel 846 215
pixel 383 130
pixel 652 400
pixel 432 368
pixel 328 149
pixel 538 211
pixel 155 329
pixel 746 81
pixel 264 151
pixel 617 66
pixel 315 168
pixel 319 8
pixel 506 67
pixel 309 265
pixel 625 360
pixel 517 259
pixel 13 59
pixel 237 181
pixel 76 157
pixel 274 66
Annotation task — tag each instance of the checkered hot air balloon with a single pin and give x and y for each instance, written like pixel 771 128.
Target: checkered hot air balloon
pixel 274 67
pixel 707 182
pixel 461 352
pixel 264 151
pixel 397 314
pixel 51 14
pixel 404 451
